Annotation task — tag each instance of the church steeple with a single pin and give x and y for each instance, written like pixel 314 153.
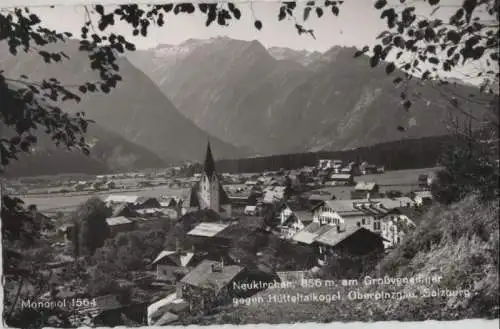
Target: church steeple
pixel 209 165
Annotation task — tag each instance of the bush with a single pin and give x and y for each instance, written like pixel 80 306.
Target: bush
pixel 468 168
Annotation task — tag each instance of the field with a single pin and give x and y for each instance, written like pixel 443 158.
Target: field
pixel 69 201
pixel 402 180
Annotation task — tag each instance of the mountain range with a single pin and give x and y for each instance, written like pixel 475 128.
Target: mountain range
pixel 246 99
pixel 135 121
pixel 278 100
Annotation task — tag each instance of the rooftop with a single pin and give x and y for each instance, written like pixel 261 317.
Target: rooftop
pixel 311 232
pixel 118 220
pixel 114 198
pixel 204 277
pixel 208 229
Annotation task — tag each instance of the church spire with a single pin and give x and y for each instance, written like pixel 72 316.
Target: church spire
pixel 209 165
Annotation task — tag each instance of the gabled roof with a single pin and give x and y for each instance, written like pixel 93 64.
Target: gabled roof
pixel 121 208
pixel 203 277
pixel 333 237
pixel 122 198
pixel 208 229
pixel 311 232
pixel 340 206
pixel 178 258
pixel 162 255
pixel 165 319
pixel 412 213
pixel 304 216
pixel 340 176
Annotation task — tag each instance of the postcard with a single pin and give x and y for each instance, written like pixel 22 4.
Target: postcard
pixel 258 162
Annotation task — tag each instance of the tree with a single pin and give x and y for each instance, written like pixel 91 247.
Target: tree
pixel 466 36
pixel 91 226
pixel 467 168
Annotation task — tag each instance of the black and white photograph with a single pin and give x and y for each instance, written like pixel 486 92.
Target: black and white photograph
pixel 249 162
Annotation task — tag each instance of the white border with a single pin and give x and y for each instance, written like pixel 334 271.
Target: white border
pixel 462 324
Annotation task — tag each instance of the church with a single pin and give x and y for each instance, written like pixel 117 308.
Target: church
pixel 208 193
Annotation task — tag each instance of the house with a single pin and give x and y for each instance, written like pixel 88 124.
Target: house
pixel 166 310
pixel 100 311
pixel 123 210
pixel 119 224
pixel 273 194
pixel 365 190
pixel 425 180
pixel 308 234
pixel 389 203
pixel 208 193
pixel 207 229
pixel 209 284
pixel 325 164
pixel 305 216
pixel 284 212
pixel 290 226
pixel 340 179
pixel 369 169
pixel 289 223
pixel 250 211
pixel 211 238
pixel 169 202
pixel 114 199
pixel 318 197
pixel 349 241
pixel 342 212
pixel 422 198
pixel 170 264
pixel 394 225
pixel 67 231
pixel 145 202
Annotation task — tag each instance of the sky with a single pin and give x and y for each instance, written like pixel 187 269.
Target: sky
pixel 358 24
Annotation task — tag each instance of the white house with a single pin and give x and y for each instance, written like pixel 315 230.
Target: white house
pixel 345 213
pixel 291 222
pixel 422 198
pixel 395 225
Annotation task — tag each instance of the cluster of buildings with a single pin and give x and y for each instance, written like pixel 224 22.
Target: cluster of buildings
pixel 216 210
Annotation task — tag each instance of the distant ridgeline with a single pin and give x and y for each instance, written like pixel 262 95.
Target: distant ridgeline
pixel 403 154
pixel 399 155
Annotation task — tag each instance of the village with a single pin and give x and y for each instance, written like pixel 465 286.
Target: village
pixel 223 231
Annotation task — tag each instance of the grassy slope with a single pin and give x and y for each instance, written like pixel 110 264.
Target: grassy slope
pixel 459 242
